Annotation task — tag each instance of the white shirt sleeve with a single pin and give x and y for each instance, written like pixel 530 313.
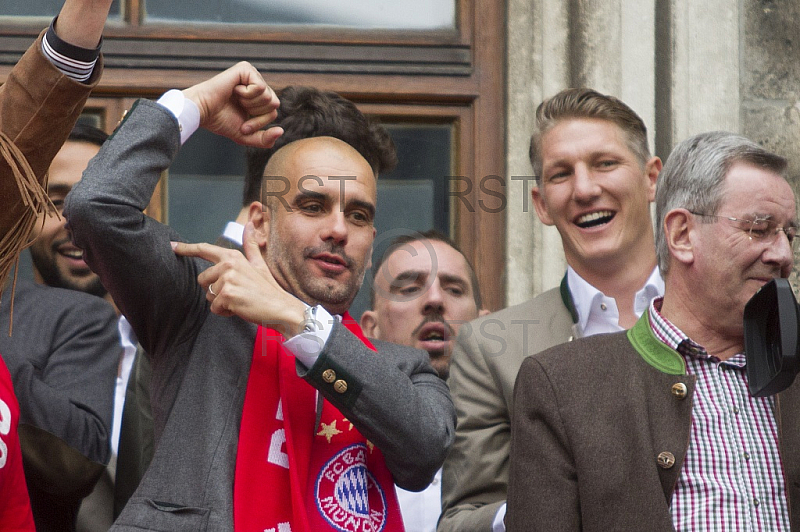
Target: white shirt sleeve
pixel 307 345
pixel 498 525
pixel 184 110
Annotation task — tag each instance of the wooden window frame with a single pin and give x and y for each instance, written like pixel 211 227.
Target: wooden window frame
pixel 454 76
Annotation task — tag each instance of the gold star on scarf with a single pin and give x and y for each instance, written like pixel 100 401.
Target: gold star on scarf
pixel 329 431
pixel 370 445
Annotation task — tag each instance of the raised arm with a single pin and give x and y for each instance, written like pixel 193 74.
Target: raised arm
pixel 81 22
pixel 39 104
pixel 131 252
pixel 237 104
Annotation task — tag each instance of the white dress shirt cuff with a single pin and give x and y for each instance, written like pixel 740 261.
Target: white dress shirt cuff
pixel 307 345
pixel 184 109
pixel 234 232
pixel 498 525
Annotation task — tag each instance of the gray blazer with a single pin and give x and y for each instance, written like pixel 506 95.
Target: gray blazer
pixel 201 360
pixel 63 358
pixel 488 353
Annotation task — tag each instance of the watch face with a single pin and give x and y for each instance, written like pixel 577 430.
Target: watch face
pixel 310 319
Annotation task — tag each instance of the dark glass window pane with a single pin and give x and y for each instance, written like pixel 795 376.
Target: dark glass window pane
pixel 91 119
pixel 205 186
pixel 415 197
pixel 408 14
pixel 44 8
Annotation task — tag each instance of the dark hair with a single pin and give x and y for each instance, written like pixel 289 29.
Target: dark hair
pixel 431 234
pixel 587 103
pixel 307 112
pixel 83 132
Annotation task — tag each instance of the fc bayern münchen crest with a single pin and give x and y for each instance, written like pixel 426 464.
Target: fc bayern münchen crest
pixel 348 496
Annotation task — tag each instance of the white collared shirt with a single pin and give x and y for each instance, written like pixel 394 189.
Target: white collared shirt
pixel 598 313
pixel 184 109
pixel 128 341
pixel 307 346
pixel 234 231
pixel 420 510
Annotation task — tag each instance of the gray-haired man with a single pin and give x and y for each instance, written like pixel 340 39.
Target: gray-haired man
pixel 654 428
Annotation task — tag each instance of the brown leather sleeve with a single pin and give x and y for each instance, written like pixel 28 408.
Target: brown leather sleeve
pixel 53 466
pixel 39 105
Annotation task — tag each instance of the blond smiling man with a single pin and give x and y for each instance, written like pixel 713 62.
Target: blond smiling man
pixel 595 180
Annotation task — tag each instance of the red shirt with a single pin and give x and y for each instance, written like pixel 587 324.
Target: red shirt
pixel 15 506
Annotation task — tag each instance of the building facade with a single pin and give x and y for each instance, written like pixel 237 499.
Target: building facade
pixel 457 82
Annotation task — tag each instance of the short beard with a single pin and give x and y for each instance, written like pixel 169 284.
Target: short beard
pixel 335 298
pixel 440 363
pixel 52 277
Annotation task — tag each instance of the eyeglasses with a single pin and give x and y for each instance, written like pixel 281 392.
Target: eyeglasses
pixel 760 229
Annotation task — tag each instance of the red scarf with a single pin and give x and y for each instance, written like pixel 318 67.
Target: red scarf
pixel 294 477
pixel 15 507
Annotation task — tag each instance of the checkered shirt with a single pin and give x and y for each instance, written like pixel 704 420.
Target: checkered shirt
pixel 732 478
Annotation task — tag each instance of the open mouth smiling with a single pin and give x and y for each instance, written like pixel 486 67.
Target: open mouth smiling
pixel 66 249
pixel 594 219
pixel 72 253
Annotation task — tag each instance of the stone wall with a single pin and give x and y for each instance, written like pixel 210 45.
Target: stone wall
pixel 770 82
pixel 685 66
